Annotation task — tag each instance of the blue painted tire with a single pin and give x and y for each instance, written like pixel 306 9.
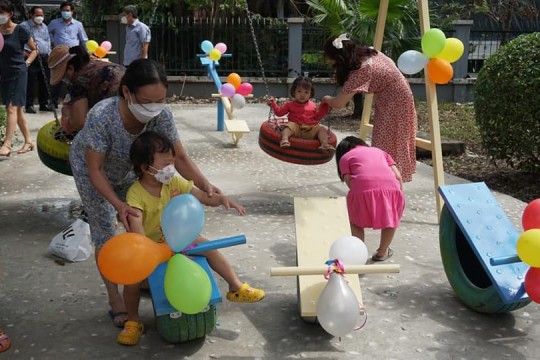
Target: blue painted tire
pixel 465 273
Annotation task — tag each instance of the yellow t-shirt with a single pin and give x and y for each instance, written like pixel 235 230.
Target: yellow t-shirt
pixel 152 207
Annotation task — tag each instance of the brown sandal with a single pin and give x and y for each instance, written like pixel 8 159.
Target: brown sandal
pixel 26 148
pixel 3 153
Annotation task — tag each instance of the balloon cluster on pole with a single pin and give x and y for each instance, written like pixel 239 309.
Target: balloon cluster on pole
pixel 99 50
pixel 338 310
pixel 438 52
pixel 130 258
pixel 213 52
pixel 235 89
pixel 528 248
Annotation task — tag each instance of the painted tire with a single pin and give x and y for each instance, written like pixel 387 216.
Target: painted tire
pixel 465 272
pixel 53 153
pixel 186 327
pixel 301 151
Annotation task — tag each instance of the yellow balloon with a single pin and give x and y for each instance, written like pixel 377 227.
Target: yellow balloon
pixel 528 247
pixel 452 51
pixel 214 54
pixel 91 46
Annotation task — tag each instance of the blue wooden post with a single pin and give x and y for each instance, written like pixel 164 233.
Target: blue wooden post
pixel 212 74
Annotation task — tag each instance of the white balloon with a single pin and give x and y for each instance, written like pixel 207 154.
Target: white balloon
pixel 350 250
pixel 238 101
pixel 411 62
pixel 338 311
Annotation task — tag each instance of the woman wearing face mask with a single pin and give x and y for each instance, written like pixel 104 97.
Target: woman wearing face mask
pixel 100 156
pixel 88 82
pixel 13 75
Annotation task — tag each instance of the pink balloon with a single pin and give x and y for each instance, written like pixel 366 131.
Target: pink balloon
pixel 227 89
pixel 106 45
pixel 244 89
pixel 221 47
pixel 1 41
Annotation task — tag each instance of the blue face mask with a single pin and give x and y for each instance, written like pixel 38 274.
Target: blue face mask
pixel 66 15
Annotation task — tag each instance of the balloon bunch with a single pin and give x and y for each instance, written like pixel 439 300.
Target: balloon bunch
pixel 214 52
pixel 437 53
pixel 236 90
pixel 528 248
pixel 130 258
pixel 338 310
pixel 99 50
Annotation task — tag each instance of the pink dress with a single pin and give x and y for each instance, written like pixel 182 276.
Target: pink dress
pixel 394 120
pixel 374 199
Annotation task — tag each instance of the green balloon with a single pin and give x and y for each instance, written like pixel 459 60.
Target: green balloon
pixel 433 42
pixel 187 285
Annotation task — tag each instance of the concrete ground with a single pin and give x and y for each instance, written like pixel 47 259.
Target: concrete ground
pixel 54 311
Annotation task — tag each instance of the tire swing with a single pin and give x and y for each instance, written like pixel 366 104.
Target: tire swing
pixel 301 151
pixel 53 147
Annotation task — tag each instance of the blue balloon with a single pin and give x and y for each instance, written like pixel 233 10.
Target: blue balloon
pixel 182 221
pixel 206 46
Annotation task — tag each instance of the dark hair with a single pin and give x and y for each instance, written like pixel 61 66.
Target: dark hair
pixel 302 82
pixel 145 146
pixel 346 59
pixel 142 72
pixel 80 60
pixel 346 145
pixel 34 8
pixel 130 9
pixel 67 3
pixel 7 6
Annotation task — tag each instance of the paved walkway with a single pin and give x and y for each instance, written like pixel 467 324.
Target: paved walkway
pixel 60 312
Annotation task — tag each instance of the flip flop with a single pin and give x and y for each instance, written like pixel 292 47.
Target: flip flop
pixel 115 321
pixel 5 342
pixel 375 257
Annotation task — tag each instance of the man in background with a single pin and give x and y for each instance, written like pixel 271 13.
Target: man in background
pixel 38 71
pixel 137 36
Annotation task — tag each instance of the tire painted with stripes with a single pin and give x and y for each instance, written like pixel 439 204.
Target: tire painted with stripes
pixel 53 153
pixel 465 273
pixel 186 327
pixel 301 151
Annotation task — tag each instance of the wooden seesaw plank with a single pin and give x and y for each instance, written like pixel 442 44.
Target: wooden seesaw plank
pixel 319 222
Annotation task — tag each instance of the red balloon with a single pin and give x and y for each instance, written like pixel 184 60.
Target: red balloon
pixel 532 284
pixel 531 215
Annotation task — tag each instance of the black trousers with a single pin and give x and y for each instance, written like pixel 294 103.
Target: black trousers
pixel 35 75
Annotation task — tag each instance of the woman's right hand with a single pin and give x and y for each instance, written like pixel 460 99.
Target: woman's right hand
pixel 124 210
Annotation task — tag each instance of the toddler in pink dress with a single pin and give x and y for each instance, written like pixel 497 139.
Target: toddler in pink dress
pixel 375 199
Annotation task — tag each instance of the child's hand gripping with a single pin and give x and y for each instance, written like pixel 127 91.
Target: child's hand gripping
pixel 228 204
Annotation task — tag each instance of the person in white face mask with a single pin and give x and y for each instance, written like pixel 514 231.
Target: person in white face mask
pixel 99 156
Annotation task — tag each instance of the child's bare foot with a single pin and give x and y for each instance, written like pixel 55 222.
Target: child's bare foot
pixel 327 148
pixel 284 143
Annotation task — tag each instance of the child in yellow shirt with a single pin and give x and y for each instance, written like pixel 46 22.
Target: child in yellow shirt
pixel 152 156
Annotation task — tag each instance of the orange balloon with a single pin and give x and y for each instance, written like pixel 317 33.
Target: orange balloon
pixel 100 52
pixel 440 71
pixel 234 79
pixel 130 258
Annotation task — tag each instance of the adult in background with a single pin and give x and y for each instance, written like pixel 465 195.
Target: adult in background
pixel 362 69
pixel 13 75
pixel 138 36
pixel 99 156
pixel 38 72
pixel 66 31
pixel 88 81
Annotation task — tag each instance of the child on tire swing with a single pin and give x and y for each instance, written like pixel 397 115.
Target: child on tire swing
pixel 152 156
pixel 304 116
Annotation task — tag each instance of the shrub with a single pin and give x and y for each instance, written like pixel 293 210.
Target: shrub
pixel 507 103
pixel 2 123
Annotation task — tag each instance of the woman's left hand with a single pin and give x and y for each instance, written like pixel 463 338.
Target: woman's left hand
pixel 124 210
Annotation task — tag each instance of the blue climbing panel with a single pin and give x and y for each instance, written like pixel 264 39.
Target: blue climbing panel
pixel 491 235
pixel 156 282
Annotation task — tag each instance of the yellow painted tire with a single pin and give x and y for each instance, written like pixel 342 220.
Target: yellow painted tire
pixel 53 153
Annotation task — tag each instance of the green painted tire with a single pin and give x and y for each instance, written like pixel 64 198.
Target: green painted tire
pixel 465 273
pixel 53 153
pixel 186 327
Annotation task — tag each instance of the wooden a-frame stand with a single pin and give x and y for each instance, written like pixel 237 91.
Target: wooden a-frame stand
pixel 434 144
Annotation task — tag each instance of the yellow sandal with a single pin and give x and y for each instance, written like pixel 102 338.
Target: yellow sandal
pixel 131 333
pixel 246 294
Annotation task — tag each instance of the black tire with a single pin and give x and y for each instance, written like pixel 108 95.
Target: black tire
pixel 465 273
pixel 53 153
pixel 186 327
